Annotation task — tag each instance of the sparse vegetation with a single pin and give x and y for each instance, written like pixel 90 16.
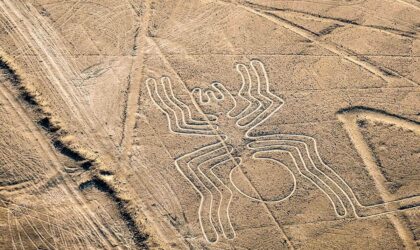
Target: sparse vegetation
pixel 242 124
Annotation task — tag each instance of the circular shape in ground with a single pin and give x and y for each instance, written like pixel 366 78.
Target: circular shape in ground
pixel 263 179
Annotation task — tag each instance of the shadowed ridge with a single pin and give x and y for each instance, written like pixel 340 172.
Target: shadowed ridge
pixel 66 144
pixel 122 205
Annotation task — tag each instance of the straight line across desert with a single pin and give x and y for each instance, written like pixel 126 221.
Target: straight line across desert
pixel 209 124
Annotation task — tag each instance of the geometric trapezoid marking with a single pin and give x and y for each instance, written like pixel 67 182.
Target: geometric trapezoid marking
pixel 353 120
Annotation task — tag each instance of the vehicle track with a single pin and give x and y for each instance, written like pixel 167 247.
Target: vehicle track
pixel 386 74
pixel 36 32
pixel 69 188
pixel 57 75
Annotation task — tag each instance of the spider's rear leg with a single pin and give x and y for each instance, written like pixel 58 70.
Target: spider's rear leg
pixel 184 166
pixel 359 209
pixel 300 159
pixel 213 201
pixel 219 174
pixel 337 183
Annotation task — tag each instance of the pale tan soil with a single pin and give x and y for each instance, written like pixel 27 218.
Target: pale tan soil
pixel 210 124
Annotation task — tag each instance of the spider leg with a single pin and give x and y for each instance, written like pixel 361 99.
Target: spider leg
pixel 189 119
pixel 359 209
pixel 173 102
pixel 271 102
pixel 245 94
pixel 211 159
pixel 306 170
pixel 255 91
pixel 216 173
pixel 185 165
pixel 336 182
pixel 176 124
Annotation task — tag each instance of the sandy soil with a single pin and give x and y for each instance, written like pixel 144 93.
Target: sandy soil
pixel 210 124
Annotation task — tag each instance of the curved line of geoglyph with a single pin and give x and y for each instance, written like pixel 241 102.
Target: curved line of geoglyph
pixel 340 211
pixel 194 166
pixel 261 105
pixel 211 187
pixel 307 174
pixel 277 141
pixel 183 106
pixel 262 200
pixel 352 197
pixel 176 104
pixel 287 146
pixel 262 93
pixel 207 98
pixel 245 93
pixel 177 121
pixel 198 158
pixel 223 187
pixel 170 103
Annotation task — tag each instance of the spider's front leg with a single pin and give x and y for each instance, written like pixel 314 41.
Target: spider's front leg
pixel 183 107
pixel 215 101
pixel 245 94
pixel 178 114
pixel 256 90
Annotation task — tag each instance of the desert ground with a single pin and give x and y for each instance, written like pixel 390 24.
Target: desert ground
pixel 209 124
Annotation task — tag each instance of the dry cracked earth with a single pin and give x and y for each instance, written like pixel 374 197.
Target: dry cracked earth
pixel 209 124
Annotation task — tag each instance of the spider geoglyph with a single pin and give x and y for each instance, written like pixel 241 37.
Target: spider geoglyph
pixel 231 119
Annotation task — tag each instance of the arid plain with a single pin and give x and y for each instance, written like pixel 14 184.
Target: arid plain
pixel 209 124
